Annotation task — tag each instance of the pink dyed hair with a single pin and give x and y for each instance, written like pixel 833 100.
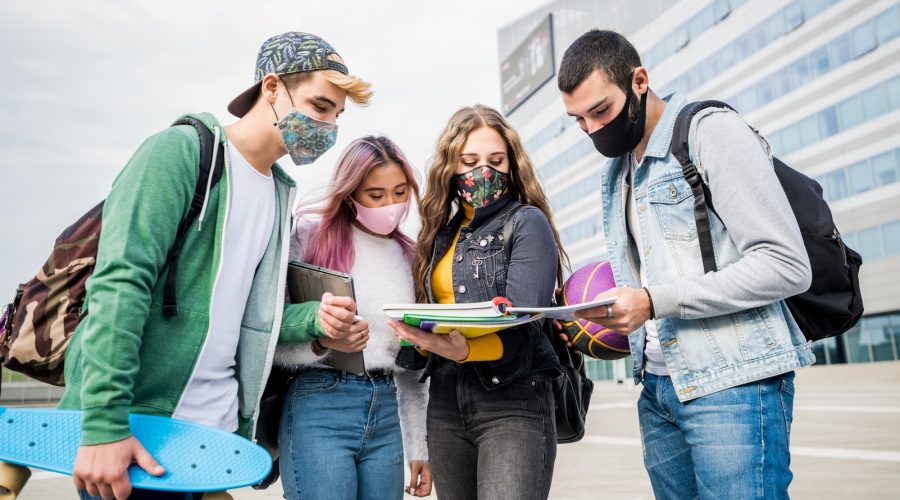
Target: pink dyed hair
pixel 331 246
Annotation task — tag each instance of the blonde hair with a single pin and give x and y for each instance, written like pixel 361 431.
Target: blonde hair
pixel 434 211
pixel 358 90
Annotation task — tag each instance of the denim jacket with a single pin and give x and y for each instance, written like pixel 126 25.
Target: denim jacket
pixel 702 354
pixel 481 272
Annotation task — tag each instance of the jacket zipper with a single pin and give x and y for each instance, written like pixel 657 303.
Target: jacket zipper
pixel 279 306
pixel 228 179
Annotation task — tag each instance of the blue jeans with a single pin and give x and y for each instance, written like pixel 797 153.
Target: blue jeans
pixel 730 444
pixel 137 494
pixel 340 438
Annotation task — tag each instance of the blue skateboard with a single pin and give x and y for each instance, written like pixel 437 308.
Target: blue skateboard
pixel 196 457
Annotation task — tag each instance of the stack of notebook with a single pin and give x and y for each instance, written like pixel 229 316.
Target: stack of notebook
pixel 480 318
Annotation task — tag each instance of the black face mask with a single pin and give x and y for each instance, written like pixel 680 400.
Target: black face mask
pixel 621 135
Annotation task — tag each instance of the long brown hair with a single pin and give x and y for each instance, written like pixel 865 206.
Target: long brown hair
pixel 434 211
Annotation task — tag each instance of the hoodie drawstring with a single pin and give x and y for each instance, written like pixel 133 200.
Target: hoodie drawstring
pixel 212 168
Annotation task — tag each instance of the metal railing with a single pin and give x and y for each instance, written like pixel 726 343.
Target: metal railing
pixel 19 390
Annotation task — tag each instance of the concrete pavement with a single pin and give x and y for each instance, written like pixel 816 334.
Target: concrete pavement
pixel 845 442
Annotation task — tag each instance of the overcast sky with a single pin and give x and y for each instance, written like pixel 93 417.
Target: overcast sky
pixel 83 83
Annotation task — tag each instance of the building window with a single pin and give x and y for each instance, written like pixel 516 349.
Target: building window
pixel 809 130
pixel 565 159
pixel 850 240
pixel 819 63
pixel 874 338
pixel 813 7
pixel 860 177
pixel 887 25
pixel 828 121
pixel 893 93
pixel 891 234
pixel 793 18
pixel 689 30
pixel 874 335
pixel 839 51
pixel 847 114
pixel 850 112
pixel 581 190
pixel 871 173
pixel 851 45
pixel 580 230
pixel 875 243
pixel 870 244
pixel 884 168
pixel 766 32
pixel 862 39
pixel 837 184
pixel 548 133
pixel 874 103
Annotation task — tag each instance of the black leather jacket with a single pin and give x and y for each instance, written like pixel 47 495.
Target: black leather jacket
pixel 481 272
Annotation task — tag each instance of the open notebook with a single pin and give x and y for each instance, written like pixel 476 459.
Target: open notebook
pixel 481 318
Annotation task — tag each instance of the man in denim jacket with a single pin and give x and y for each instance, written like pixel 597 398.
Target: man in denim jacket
pixel 715 352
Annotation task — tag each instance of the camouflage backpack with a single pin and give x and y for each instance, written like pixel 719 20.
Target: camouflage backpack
pixel 36 327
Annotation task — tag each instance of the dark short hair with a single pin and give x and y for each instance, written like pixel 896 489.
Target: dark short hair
pixel 607 51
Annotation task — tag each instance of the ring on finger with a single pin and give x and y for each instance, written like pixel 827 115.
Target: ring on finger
pixel 609 310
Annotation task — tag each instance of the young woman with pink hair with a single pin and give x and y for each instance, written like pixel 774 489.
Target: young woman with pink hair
pixel 342 435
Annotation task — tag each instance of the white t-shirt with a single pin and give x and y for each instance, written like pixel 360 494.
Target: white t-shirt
pixel 211 396
pixel 655 362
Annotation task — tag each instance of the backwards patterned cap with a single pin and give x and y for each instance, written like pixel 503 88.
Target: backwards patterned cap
pixel 291 52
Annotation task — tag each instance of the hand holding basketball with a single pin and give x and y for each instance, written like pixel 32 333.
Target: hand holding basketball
pixel 630 312
pixel 594 338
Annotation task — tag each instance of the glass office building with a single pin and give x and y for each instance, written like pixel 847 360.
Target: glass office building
pixel 819 78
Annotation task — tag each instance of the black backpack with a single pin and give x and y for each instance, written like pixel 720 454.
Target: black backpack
pixel 833 304
pixel 573 389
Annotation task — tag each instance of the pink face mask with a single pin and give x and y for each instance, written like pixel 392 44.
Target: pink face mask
pixel 380 220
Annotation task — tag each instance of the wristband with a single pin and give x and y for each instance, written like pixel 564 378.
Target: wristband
pixel 650 299
pixel 317 348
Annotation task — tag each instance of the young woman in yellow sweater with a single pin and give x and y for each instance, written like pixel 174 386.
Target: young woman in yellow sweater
pixel 490 419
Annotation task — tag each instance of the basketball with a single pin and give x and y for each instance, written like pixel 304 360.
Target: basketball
pixel 591 338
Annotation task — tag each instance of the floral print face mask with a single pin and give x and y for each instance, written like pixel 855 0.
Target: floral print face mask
pixel 306 138
pixel 481 185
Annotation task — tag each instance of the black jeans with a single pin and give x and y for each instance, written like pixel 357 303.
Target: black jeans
pixel 488 445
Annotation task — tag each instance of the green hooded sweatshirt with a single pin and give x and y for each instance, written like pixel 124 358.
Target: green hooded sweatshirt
pixel 125 357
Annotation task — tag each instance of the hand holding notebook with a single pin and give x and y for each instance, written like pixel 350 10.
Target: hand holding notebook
pixel 306 283
pixel 481 318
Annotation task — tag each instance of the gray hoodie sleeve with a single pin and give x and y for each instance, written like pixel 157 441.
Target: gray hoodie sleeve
pixel 736 164
pixel 412 401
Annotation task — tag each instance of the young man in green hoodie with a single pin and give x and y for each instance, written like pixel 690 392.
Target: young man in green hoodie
pixel 210 362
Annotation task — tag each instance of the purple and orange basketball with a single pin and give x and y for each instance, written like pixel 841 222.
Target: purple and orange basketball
pixel 593 339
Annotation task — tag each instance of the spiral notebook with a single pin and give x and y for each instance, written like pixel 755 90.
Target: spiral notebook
pixel 307 282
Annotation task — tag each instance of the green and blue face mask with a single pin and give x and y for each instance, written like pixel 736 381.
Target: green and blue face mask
pixel 481 185
pixel 305 138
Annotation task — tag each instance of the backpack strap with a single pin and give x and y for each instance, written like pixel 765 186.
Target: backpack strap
pixel 702 197
pixel 207 169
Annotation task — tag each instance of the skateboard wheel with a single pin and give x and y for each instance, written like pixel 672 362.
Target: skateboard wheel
pixel 12 480
pixel 217 495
